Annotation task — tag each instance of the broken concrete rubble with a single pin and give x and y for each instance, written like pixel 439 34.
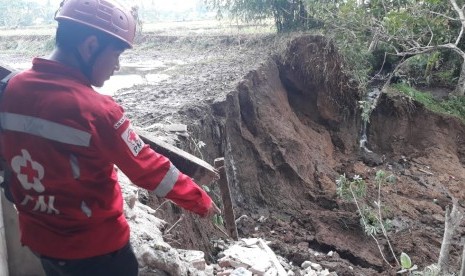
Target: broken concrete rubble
pixel 252 256
pixel 248 256
pixel 155 256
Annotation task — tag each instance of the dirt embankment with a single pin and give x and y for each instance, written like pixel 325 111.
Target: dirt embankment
pixel 288 126
pixel 291 127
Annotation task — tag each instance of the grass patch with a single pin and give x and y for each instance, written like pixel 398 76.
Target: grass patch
pixel 454 105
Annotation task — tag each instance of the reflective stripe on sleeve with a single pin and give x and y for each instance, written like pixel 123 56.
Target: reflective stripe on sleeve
pixel 44 128
pixel 75 166
pixel 167 184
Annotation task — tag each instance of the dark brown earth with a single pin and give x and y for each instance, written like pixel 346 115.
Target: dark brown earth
pixel 287 122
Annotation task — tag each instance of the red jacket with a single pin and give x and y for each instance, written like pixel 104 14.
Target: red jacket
pixel 62 140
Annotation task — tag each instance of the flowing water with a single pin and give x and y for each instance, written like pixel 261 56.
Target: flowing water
pixel 372 99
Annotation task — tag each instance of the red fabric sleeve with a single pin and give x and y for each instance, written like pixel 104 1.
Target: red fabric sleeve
pixel 145 167
pixel 190 196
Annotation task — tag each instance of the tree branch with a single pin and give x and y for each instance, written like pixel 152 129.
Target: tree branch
pixel 453 219
pixel 461 17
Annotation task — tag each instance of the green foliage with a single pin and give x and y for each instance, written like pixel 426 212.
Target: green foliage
pixel 453 105
pixel 371 218
pixel 349 27
pixel 23 13
pixel 365 31
pixel 355 189
pixel 437 68
pixel 372 224
pixel 347 187
pixel 288 15
pixel 366 108
pixel 418 21
pixel 49 44
pixel 405 261
pixel 432 63
pixel 445 77
pixel 206 188
pixel 218 220
pixel 381 178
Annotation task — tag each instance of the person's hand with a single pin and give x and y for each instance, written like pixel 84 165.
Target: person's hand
pixel 213 210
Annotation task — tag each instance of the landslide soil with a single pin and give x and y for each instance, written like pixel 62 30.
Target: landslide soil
pixel 285 118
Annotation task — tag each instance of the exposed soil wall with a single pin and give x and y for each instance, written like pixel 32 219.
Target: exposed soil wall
pixel 289 126
pixel 292 127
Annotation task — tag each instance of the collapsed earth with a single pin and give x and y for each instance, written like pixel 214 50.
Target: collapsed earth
pixel 285 116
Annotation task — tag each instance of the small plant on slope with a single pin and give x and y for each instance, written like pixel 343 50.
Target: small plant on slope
pixel 371 218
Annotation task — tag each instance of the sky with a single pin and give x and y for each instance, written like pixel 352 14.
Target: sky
pixel 163 5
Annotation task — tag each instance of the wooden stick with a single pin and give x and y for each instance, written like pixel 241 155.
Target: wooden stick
pixel 174 225
pixel 229 216
pixel 427 172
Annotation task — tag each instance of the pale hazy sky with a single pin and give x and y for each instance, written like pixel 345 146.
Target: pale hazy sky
pixel 165 5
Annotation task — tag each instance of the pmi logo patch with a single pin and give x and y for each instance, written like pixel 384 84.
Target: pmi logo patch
pixel 132 140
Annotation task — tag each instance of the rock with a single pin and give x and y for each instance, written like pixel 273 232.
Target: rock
pixel 195 258
pixel 250 242
pixel 316 267
pixel 224 262
pixel 151 272
pixel 166 261
pixel 372 159
pixel 241 272
pixel 272 272
pixel 310 272
pixel 225 272
pixel 306 264
pixel 176 128
pixel 260 268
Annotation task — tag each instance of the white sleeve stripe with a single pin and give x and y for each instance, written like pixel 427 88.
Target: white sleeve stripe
pixel 45 129
pixel 167 184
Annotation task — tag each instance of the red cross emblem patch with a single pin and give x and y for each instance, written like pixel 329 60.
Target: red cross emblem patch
pixel 29 172
pixel 132 140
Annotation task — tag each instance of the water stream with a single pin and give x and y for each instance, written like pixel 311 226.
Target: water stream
pixel 372 100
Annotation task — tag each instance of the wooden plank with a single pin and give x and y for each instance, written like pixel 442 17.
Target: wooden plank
pixel 5 70
pixel 202 172
pixel 3 237
pixel 229 217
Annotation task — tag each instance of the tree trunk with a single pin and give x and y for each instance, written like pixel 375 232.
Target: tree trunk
pixel 460 88
pixel 452 221
pixel 462 267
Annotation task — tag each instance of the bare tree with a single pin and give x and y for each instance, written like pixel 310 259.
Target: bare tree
pixel 411 44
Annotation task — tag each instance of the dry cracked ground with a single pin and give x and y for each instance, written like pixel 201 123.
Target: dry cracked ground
pixel 285 117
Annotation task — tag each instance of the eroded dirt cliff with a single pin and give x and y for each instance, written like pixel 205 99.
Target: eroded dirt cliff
pixel 291 127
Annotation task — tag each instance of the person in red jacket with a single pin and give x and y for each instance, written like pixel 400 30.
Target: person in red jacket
pixel 61 140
